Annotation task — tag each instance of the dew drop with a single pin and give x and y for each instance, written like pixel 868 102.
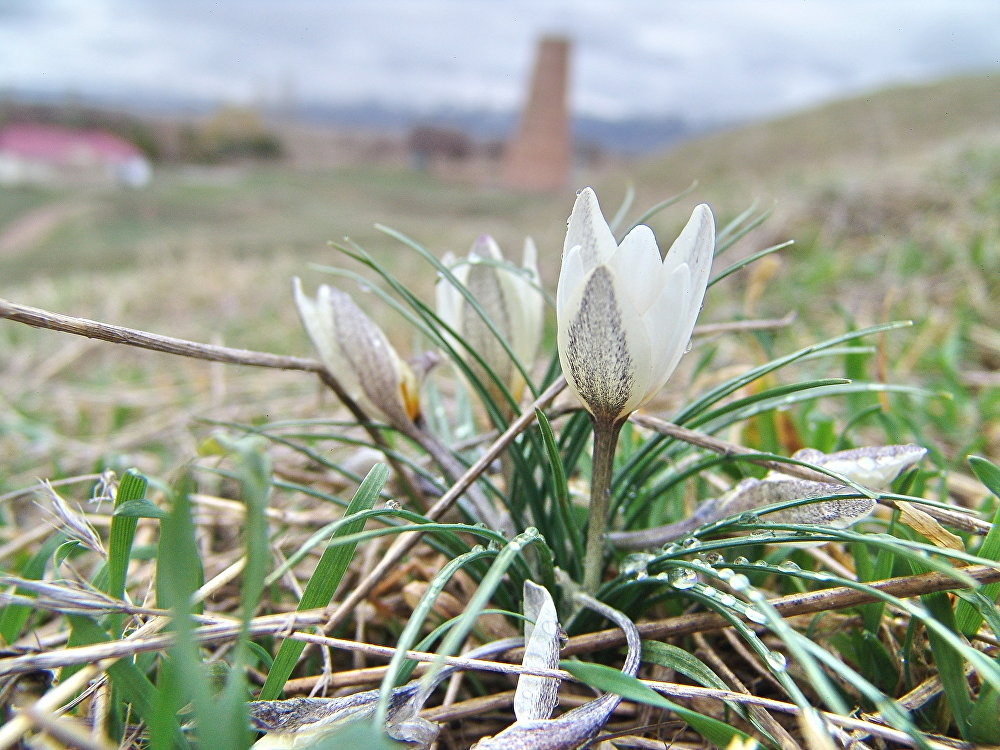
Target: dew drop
pixel 726 573
pixel 634 565
pixel 777 661
pixel 727 600
pixel 754 615
pixel 691 542
pixel 683 578
pixel 789 566
pixel 749 518
pixel 739 582
pixel 392 505
pixel 741 561
pixel 714 558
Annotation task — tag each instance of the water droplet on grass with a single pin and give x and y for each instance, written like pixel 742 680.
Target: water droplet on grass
pixel 739 582
pixel 634 565
pixel 683 578
pixel 777 661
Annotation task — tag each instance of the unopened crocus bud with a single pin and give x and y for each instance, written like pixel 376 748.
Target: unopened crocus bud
pixel 358 354
pixel 510 298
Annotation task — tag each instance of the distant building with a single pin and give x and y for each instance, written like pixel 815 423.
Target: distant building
pixel 428 144
pixel 33 153
pixel 538 156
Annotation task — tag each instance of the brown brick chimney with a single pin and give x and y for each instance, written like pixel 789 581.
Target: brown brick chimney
pixel 538 156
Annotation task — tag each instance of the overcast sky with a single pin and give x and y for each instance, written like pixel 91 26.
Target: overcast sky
pixel 701 59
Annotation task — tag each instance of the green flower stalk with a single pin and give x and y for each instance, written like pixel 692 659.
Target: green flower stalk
pixel 625 316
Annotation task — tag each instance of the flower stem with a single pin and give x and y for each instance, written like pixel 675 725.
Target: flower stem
pixel 605 441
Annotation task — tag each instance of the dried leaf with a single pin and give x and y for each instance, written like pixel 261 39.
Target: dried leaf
pixel 925 524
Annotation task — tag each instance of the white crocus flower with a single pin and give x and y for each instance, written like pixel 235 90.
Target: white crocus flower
pixel 510 297
pixel 625 315
pixel 358 355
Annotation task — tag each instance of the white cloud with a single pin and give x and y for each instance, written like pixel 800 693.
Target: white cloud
pixel 710 58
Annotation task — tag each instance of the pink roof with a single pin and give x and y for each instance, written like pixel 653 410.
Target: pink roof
pixel 53 143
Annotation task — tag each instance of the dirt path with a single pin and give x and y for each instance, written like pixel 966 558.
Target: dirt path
pixel 28 229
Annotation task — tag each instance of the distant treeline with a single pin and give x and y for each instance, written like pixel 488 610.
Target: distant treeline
pixel 228 134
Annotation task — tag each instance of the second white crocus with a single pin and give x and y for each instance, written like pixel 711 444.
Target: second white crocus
pixel 512 300
pixel 625 315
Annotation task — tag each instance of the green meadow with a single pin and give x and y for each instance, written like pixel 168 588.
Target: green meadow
pixel 891 201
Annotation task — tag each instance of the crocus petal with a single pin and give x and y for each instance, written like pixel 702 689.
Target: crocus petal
pixel 695 247
pixel 570 277
pixel 602 346
pixel 512 301
pixel 447 298
pixel 383 376
pixel 317 318
pixel 638 260
pixel 485 287
pixel 666 326
pixel 526 306
pixel 687 265
pixel 536 697
pixel 588 229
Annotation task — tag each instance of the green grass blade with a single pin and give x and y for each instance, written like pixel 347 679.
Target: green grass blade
pixel 984 719
pixel 611 680
pixel 415 623
pixel 987 473
pixel 131 487
pixel 478 601
pixel 949 662
pixel 179 573
pixel 680 660
pixel 968 618
pixel 131 683
pixel 741 264
pixel 571 531
pixel 324 581
pixel 14 616
pixel 623 208
pixel 667 202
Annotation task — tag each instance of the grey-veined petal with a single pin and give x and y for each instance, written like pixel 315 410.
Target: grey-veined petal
pixel 603 347
pixel 874 466
pixel 383 376
pixel 536 697
pixel 695 245
pixel 317 318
